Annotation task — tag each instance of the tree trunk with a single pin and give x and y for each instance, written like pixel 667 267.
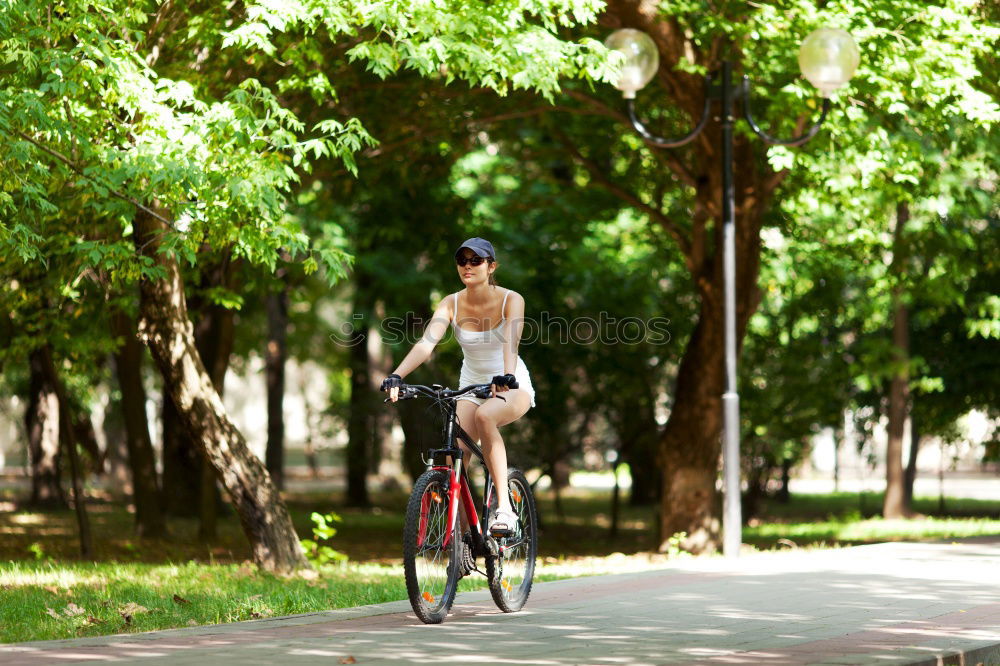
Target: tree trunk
pixel 615 498
pixel 784 492
pixel 758 472
pixel 690 444
pixel 419 435
pixel 360 420
pixel 149 519
pixel 68 437
pixel 312 456
pixel 894 504
pixel 638 432
pixel 181 464
pixel 214 335
pixel 119 474
pixel 41 420
pixel 275 357
pixel 645 477
pixel 165 327
pixel 911 464
pixel 557 486
pixel 86 439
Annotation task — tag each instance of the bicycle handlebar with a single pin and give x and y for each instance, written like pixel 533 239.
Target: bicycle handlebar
pixel 410 391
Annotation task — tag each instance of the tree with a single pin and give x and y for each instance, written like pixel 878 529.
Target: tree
pixel 166 166
pixel 795 372
pixel 680 192
pixel 149 516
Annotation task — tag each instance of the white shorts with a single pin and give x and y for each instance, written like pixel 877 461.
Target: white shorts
pixel 467 377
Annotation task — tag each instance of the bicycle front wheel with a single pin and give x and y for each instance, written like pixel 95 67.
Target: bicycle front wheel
pixel 430 564
pixel 511 572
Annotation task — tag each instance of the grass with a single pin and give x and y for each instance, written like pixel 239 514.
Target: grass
pixel 138 585
pixel 853 532
pixel 47 600
pixel 846 519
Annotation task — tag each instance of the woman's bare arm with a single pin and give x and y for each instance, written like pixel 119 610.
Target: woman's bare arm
pixel 433 334
pixel 512 329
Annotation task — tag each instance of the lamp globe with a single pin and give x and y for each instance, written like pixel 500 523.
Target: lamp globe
pixel 828 58
pixel 642 59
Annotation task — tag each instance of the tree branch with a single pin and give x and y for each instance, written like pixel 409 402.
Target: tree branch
pixel 662 156
pixel 672 229
pixel 124 197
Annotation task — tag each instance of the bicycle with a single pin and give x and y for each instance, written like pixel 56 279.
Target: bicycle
pixel 435 555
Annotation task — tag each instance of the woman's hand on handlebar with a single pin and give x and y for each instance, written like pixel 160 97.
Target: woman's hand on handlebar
pixel 392 384
pixel 502 383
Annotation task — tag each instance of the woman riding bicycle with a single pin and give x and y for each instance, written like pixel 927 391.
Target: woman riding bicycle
pixel 488 321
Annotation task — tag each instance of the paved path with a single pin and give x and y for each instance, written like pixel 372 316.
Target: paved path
pixel 884 604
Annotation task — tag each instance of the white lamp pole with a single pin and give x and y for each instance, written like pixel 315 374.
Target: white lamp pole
pixel 828 58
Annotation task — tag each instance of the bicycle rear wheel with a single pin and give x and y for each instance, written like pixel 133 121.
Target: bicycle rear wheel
pixel 511 573
pixel 430 565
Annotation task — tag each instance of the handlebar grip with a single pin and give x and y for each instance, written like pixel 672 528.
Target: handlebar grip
pixel 404 394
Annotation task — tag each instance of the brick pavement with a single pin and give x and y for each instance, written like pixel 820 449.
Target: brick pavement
pixel 899 603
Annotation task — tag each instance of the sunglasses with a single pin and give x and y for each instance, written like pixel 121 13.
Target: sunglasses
pixel 475 260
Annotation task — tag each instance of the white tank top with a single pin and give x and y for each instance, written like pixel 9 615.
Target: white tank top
pixel 483 349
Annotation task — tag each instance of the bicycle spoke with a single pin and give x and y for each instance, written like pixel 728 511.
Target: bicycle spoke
pixel 427 559
pixel 512 572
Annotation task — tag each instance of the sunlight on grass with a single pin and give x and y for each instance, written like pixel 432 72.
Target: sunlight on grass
pixel 28 519
pixel 13 574
pixel 854 530
pixel 47 600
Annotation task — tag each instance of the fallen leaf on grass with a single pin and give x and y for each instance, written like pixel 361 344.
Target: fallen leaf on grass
pixel 255 615
pixel 133 608
pixel 51 588
pixel 178 599
pixel 130 609
pixel 192 623
pixel 256 596
pixel 72 610
pixel 93 620
pixel 348 660
pixel 52 613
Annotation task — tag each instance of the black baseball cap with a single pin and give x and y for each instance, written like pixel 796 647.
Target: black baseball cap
pixel 480 246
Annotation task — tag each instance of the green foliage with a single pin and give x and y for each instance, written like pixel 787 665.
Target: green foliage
pixel 323 530
pixel 496 45
pixel 37 550
pixel 211 124
pixel 90 120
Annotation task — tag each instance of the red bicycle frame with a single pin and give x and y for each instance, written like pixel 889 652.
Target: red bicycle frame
pixel 459 489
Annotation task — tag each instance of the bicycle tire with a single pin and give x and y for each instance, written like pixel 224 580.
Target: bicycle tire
pixel 431 570
pixel 511 576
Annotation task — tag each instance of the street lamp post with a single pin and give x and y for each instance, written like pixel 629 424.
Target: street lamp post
pixel 827 58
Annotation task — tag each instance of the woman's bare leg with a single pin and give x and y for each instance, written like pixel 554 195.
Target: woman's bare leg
pixel 489 417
